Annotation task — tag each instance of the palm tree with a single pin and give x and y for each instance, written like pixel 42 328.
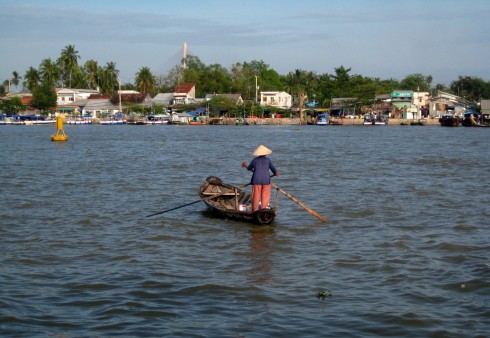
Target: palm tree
pixel 6 84
pixel 49 72
pixel 145 81
pixel 341 76
pixel 15 79
pixel 31 78
pixel 112 75
pixel 79 79
pixel 102 81
pixel 302 97
pixel 108 78
pixel 90 67
pixel 68 61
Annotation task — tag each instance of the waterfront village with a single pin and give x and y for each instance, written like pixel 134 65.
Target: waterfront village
pixel 87 106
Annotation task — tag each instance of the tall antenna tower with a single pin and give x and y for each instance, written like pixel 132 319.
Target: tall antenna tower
pixel 184 55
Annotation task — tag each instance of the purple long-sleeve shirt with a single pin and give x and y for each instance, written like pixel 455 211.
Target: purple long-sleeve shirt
pixel 260 166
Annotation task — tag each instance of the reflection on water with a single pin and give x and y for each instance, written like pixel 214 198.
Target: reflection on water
pixel 260 254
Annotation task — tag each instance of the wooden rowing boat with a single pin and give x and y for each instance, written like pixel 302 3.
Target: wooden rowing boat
pixel 232 201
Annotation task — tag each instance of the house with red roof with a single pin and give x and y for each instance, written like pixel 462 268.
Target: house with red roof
pixel 184 93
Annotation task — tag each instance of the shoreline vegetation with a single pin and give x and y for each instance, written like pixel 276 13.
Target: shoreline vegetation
pixel 227 89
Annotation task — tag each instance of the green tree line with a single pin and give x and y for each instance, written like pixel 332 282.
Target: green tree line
pixel 241 77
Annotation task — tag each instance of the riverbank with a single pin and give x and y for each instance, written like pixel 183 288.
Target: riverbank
pixel 254 121
pixel 392 122
pixel 295 120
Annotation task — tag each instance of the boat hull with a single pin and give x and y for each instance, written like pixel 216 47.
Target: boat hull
pixel 78 122
pixel 450 121
pixel 231 201
pixel 374 123
pixel 112 122
pixel 373 120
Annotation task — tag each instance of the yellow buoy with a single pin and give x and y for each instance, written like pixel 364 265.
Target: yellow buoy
pixel 60 134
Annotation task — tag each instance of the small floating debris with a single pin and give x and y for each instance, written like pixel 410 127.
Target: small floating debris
pixel 323 294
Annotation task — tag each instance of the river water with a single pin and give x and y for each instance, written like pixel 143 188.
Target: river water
pixel 405 252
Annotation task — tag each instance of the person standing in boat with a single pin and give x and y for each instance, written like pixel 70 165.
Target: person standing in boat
pixel 261 179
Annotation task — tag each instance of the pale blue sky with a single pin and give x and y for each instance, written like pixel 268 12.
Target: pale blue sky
pixel 377 38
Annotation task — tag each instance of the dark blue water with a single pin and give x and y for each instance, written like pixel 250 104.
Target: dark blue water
pixel 405 252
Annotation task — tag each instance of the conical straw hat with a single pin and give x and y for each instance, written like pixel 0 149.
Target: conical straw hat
pixel 262 151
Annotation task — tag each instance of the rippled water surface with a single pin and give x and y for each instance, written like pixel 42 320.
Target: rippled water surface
pixel 405 252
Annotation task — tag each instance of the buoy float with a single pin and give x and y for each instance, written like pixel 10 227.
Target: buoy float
pixel 60 134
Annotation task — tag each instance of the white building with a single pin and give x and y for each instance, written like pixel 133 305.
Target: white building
pixel 66 96
pixel 276 99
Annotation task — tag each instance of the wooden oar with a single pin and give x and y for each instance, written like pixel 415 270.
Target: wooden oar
pixel 194 202
pixel 292 198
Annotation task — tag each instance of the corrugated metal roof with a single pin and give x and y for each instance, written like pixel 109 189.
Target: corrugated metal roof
pixel 99 104
pixel 485 106
pixel 163 98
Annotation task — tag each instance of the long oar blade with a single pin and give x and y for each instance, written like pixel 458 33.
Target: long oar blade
pixel 292 198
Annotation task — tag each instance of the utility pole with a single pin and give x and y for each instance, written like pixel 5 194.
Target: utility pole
pixel 120 104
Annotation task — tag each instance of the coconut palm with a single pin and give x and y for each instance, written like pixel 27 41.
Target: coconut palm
pixel 145 81
pixel 79 79
pixel 68 62
pixel 49 72
pixel 15 79
pixel 6 84
pixel 112 75
pixel 90 68
pixel 102 80
pixel 31 78
pixel 108 78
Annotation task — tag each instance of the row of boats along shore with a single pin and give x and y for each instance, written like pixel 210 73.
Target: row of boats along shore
pixel 468 119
